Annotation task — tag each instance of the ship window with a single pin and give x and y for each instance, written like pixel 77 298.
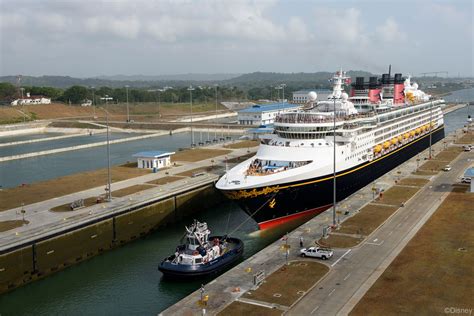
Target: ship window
pixel 198 260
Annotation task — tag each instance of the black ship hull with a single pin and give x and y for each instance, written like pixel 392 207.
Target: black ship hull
pixel 271 206
pixel 225 261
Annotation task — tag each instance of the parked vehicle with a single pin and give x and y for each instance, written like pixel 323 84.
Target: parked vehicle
pixel 317 252
pixel 447 168
pixel 467 147
pixel 465 180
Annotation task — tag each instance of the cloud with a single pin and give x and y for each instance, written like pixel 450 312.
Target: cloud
pixel 389 32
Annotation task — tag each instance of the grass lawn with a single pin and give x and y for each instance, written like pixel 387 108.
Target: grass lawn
pixel 397 195
pixel 198 154
pixel 282 286
pixel 45 190
pixel 243 144
pixel 165 180
pixel 8 225
pixel 367 219
pixel 434 270
pixel 418 182
pixel 237 308
pixel 340 241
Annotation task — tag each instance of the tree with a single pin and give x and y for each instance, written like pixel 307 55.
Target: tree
pixel 7 91
pixel 75 94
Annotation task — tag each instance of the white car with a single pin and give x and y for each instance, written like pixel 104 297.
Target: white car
pixel 316 252
pixel 465 180
pixel 447 168
pixel 467 147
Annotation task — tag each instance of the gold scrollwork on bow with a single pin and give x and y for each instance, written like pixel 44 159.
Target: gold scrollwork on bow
pixel 243 194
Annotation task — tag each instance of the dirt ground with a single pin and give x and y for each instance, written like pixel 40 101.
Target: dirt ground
pixel 340 241
pixel 434 271
pixel 397 195
pixel 434 165
pixel 418 182
pixel 8 225
pixel 367 219
pixel 282 286
pixel 243 144
pixel 190 173
pixel 45 190
pixel 466 139
pixel 424 173
pixel 198 154
pixel 239 309
pixel 165 180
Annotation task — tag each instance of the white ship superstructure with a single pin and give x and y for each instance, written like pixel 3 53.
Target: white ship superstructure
pixel 380 119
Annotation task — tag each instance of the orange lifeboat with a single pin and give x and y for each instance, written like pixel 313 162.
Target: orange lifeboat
pixel 418 131
pixel 423 128
pixel 412 133
pixel 377 149
pixel 400 138
pixel 406 135
pixel 394 141
pixel 386 145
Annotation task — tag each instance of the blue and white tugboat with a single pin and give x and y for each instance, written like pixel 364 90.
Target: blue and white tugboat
pixel 202 254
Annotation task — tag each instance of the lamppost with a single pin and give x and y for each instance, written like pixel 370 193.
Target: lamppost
pixel 215 129
pixel 23 104
pixel 431 124
pixel 128 113
pixel 283 85
pixel 93 100
pixel 334 166
pixel 278 93
pixel 190 89
pixel 109 178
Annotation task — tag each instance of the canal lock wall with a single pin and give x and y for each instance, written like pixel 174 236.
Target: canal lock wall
pixel 47 255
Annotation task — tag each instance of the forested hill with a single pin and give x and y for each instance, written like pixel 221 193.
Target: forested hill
pixel 244 81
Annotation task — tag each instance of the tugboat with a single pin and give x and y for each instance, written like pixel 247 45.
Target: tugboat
pixel 202 254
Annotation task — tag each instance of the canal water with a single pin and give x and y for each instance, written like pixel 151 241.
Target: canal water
pixel 18 138
pixel 17 172
pixel 126 281
pixel 61 143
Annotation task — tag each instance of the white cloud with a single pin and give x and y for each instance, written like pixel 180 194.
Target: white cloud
pixel 389 32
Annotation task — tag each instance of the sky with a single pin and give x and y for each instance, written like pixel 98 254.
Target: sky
pixel 87 38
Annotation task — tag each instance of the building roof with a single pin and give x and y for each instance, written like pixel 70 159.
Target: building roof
pixel 258 108
pixel 306 91
pixel 153 154
pixel 469 172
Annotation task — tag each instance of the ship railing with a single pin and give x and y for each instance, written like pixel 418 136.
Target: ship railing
pixel 296 118
pixel 265 167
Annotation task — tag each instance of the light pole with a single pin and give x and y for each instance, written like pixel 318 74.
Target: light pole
pixel 93 100
pixel 109 178
pixel 278 93
pixel 190 89
pixel 334 167
pixel 283 85
pixel 431 123
pixel 128 113
pixel 215 129
pixel 23 104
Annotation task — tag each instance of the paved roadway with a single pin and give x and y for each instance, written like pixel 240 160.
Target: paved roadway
pixel 354 272
pixel 42 221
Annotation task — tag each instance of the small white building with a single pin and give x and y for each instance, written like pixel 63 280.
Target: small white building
pixel 153 159
pixel 470 175
pixel 301 96
pixel 32 99
pixel 264 114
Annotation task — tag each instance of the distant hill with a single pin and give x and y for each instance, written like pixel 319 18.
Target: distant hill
pixel 180 77
pixel 139 81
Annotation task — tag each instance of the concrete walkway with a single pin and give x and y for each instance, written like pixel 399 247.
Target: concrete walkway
pixel 43 221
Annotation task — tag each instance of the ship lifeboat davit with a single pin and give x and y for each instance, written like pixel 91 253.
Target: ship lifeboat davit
pixel 394 141
pixel 386 145
pixel 377 149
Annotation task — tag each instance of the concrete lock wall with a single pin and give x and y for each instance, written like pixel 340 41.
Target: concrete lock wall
pixel 16 268
pixel 197 200
pixel 137 223
pixel 67 249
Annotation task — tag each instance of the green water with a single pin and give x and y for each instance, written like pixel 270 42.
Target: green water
pixel 126 281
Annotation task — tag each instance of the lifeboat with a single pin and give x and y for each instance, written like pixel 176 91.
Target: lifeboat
pixel 400 138
pixel 386 145
pixel 394 141
pixel 406 135
pixel 418 131
pixel 423 128
pixel 377 149
pixel 412 133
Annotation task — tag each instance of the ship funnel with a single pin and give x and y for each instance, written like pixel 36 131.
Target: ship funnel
pixel 373 82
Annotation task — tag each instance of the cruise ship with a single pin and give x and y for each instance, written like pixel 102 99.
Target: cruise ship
pixel 382 123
